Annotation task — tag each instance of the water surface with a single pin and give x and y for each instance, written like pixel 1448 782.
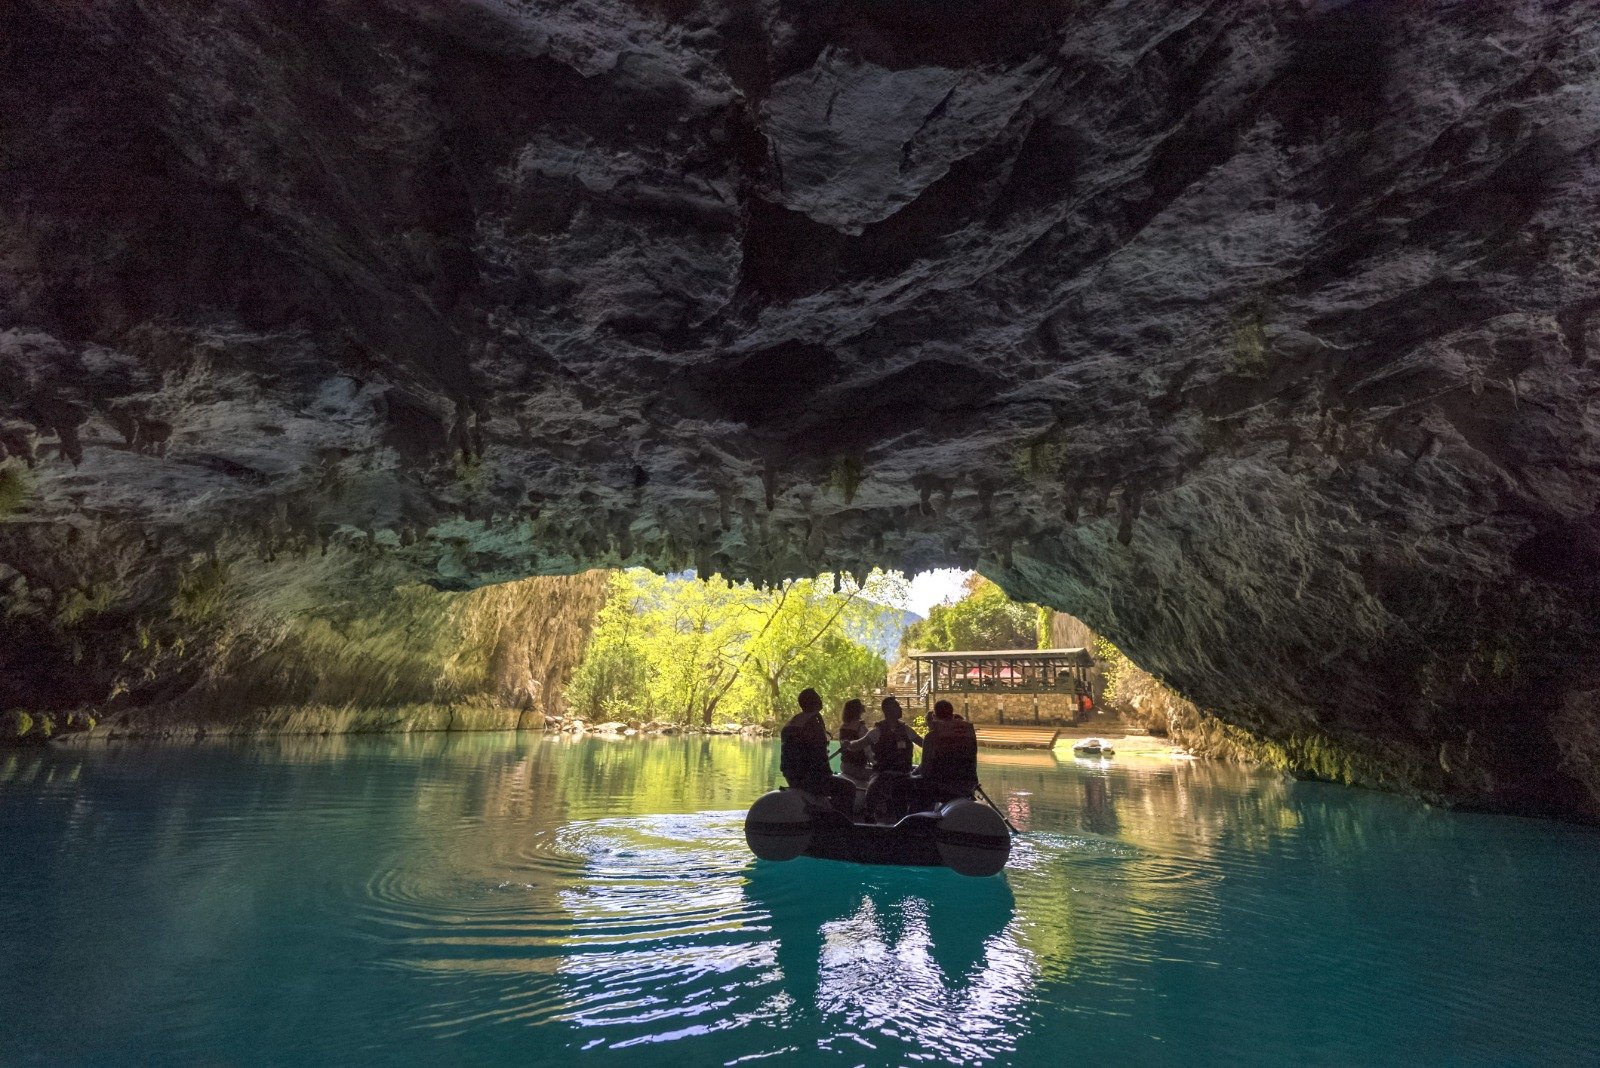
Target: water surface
pixel 480 898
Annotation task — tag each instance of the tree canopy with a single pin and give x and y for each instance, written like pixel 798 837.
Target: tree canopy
pixel 984 619
pixel 691 651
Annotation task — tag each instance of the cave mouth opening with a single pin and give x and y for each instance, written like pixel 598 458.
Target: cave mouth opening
pixel 677 651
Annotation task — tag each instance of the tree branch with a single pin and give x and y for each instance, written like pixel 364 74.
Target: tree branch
pixel 749 652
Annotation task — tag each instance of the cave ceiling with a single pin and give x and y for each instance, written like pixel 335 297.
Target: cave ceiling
pixel 1261 335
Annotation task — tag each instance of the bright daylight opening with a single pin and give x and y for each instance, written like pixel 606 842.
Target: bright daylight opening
pixel 675 653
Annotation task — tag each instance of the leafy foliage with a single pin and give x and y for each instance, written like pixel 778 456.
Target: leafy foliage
pixel 14 488
pixel 692 651
pixel 985 619
pixel 201 591
pixel 85 603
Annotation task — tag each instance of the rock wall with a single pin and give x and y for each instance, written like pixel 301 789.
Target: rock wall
pixel 314 644
pixel 1259 335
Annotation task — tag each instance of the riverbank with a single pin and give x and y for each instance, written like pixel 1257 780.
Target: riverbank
pixel 81 728
pixel 654 728
pixel 24 730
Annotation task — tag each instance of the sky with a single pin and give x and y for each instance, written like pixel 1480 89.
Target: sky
pixel 944 585
pixel 929 588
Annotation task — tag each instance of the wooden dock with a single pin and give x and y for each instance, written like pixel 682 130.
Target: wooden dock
pixel 1007 736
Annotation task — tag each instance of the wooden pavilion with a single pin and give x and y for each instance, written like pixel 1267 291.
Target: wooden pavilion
pixel 973 676
pixel 1021 671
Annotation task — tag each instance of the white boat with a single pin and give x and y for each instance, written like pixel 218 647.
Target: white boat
pixel 1092 747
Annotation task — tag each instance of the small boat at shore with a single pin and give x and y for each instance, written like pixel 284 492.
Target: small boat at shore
pixel 1093 747
pixel 962 835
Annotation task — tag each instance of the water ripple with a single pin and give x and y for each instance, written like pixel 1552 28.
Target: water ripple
pixel 363 902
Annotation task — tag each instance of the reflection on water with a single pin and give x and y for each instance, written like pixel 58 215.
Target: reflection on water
pixel 476 898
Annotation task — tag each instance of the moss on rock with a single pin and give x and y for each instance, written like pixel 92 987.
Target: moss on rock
pixel 15 725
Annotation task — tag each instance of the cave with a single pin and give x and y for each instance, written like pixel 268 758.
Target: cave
pixel 1260 337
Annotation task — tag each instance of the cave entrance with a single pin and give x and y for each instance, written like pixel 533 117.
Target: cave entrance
pixel 676 651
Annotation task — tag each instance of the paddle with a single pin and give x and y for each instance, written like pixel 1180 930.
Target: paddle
pixel 985 795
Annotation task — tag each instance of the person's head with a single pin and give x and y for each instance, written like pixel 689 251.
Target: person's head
pixel 853 710
pixel 943 710
pixel 891 708
pixel 810 700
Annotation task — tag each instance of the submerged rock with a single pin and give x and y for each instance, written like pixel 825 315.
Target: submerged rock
pixel 1261 337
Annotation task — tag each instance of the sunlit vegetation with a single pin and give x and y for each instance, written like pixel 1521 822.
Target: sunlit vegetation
pixel 984 619
pixel 202 591
pixel 688 651
pixel 85 602
pixel 14 488
pixel 15 724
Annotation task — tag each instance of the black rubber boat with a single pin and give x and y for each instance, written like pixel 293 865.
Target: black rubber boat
pixel 962 835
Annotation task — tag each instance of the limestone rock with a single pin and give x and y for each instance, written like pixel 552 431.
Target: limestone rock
pixel 1260 336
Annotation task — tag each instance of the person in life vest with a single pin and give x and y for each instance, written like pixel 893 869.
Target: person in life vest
pixel 803 756
pixel 890 744
pixel 853 761
pixel 949 768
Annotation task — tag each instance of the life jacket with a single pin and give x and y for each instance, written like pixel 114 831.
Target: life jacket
pixel 950 753
pixel 803 756
pixel 852 761
pixel 892 750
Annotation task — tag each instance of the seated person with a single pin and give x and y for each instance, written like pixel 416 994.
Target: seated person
pixel 853 763
pixel 949 768
pixel 803 756
pixel 890 743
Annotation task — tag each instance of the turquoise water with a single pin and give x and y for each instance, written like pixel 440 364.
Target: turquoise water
pixel 470 899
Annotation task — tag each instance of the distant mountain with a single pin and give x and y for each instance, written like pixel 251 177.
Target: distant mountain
pixel 883 637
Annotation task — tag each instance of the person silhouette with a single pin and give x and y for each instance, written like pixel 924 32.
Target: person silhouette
pixel 890 743
pixel 853 762
pixel 949 768
pixel 803 756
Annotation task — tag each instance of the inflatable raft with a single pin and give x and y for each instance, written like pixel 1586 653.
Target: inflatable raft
pixel 962 835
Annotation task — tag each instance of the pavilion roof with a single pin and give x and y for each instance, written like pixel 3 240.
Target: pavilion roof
pixel 1079 655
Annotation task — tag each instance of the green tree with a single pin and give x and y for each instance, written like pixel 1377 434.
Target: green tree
pixel 690 651
pixel 984 619
pixel 804 643
pixel 610 681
